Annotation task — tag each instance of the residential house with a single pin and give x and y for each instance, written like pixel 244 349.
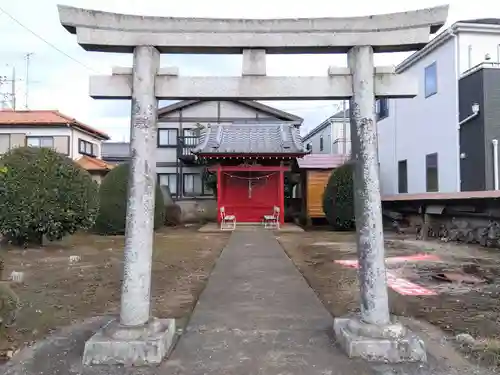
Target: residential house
pixel 51 128
pixel 180 126
pixel 332 136
pixel 442 140
pixel 115 152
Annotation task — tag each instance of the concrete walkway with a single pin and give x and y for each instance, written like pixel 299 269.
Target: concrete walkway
pixel 257 315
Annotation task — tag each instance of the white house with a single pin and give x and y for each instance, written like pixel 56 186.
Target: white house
pixel 419 141
pixel 50 128
pixel 332 136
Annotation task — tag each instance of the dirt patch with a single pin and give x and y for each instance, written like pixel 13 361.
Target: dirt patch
pixel 472 308
pixel 56 293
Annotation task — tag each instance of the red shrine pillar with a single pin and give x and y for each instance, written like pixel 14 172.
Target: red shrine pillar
pixel 219 192
pixel 282 196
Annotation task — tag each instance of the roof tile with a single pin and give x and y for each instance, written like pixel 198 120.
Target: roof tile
pixel 322 161
pixel 93 164
pixel 250 139
pixel 45 118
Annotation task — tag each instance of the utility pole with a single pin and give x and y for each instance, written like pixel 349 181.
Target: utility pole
pixel 13 88
pixel 26 95
pixel 3 96
pixel 8 96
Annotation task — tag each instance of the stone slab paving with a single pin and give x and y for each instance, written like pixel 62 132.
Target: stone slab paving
pixel 257 316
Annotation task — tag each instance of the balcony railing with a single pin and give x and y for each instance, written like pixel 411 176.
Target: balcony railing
pixel 184 146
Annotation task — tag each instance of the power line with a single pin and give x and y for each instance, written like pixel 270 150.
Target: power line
pixel 46 41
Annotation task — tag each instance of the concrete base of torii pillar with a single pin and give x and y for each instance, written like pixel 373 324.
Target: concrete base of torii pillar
pixel 372 335
pixel 116 344
pixel 391 343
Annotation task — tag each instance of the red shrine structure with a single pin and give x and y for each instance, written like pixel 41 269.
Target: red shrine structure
pixel 250 161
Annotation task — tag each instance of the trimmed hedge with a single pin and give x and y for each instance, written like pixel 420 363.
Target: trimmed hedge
pixel 113 195
pixel 44 194
pixel 338 198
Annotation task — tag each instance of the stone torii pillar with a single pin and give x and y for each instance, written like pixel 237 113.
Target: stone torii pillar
pixel 135 298
pixel 137 338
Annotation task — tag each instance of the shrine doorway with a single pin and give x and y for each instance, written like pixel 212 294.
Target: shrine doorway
pixel 250 195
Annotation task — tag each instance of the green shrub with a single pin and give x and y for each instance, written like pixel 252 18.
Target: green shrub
pixel 113 195
pixel 338 198
pixel 44 194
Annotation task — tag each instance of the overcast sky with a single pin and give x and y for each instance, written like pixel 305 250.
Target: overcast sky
pixel 60 69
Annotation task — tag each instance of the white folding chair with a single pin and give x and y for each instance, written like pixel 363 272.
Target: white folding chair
pixel 272 221
pixel 228 222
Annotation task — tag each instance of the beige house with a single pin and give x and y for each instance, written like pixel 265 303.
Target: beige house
pixel 179 129
pixel 50 128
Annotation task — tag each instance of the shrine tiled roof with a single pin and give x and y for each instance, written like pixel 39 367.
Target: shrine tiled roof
pixel 277 138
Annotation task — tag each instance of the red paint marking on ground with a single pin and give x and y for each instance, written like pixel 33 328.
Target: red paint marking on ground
pixel 407 288
pixel 410 258
pixel 348 263
pixel 398 284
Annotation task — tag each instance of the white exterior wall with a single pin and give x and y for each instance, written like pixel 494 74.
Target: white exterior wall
pixel 330 135
pixel 473 48
pixel 420 126
pixel 42 131
pixel 314 141
pixel 76 135
pixel 37 131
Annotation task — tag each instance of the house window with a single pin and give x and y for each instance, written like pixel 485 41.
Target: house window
pixel 4 143
pixel 193 185
pixel 170 180
pixel 87 148
pixel 402 176
pixel 167 137
pixel 431 80
pixel 321 145
pixel 309 147
pixel 382 108
pixel 431 172
pixel 40 142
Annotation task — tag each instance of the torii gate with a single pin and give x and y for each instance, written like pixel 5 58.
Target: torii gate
pixel 137 338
